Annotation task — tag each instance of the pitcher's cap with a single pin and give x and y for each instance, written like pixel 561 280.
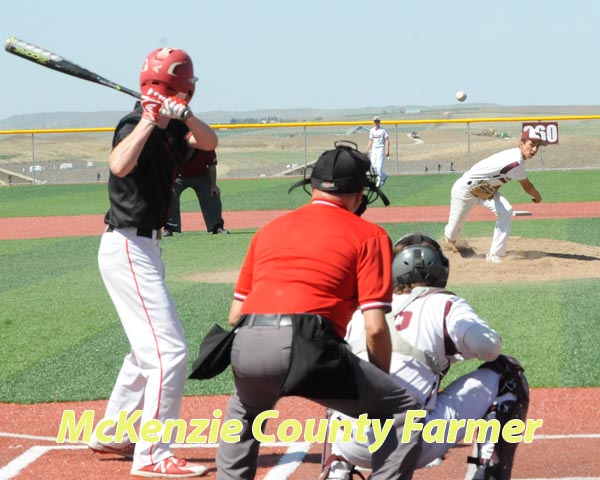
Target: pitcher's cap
pixel 376 119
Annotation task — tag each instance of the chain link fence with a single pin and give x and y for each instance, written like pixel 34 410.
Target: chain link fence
pixel 266 150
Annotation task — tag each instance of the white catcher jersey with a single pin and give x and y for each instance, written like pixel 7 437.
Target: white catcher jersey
pixel 434 322
pixel 499 168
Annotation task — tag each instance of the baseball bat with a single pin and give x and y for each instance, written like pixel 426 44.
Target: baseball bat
pixel 56 62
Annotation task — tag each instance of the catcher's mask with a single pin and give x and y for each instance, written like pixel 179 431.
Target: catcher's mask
pixel 420 261
pixel 343 170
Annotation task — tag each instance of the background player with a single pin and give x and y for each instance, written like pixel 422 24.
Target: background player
pixel 494 172
pixel 199 172
pixel 432 328
pixel 149 144
pixel 379 148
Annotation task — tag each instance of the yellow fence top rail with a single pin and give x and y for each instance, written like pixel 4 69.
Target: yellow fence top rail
pixel 231 126
pixel 57 130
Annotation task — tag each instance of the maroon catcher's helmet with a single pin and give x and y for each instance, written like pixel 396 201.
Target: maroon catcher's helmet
pixel 170 72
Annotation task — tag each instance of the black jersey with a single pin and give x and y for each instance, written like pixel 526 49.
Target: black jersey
pixel 142 198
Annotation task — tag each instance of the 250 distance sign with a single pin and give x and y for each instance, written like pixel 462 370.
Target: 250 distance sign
pixel 547 131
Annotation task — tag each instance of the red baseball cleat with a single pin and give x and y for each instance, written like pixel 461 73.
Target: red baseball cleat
pixel 172 467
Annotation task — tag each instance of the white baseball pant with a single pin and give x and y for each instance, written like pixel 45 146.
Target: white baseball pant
pixel 461 204
pixel 378 163
pixel 153 374
pixel 468 397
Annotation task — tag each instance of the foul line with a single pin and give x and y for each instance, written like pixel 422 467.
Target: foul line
pixel 287 465
pixel 32 437
pixel 266 444
pixel 13 468
pixel 289 462
pixel 560 437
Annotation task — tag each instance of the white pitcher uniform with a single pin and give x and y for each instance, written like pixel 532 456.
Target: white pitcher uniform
pixel 434 323
pixel 497 170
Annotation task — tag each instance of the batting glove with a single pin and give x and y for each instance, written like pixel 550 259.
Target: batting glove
pixel 151 101
pixel 151 108
pixel 175 107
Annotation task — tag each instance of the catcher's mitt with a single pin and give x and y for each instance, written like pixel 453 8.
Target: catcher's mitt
pixel 482 190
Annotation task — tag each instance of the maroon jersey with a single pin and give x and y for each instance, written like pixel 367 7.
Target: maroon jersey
pixel 198 162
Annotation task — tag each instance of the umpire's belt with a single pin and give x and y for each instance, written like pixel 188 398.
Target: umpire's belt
pixel 269 320
pixel 140 232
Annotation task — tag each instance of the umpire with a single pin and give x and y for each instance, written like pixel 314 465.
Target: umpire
pixel 304 275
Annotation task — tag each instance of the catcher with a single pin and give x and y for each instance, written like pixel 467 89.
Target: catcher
pixel 480 184
pixel 431 329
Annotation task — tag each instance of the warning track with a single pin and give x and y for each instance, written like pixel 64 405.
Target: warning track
pixel 16 228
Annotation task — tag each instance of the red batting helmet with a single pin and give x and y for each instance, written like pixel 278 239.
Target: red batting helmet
pixel 169 71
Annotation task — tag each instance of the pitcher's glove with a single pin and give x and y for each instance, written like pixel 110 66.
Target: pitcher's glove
pixel 482 190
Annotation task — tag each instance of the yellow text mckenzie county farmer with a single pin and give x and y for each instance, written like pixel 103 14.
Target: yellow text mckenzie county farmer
pixel 211 430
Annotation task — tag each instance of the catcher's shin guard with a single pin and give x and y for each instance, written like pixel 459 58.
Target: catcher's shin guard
pixel 513 385
pixel 335 466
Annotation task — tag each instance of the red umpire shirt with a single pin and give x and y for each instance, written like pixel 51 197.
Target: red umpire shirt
pixel 278 278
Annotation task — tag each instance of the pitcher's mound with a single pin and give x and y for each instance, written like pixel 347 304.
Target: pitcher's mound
pixel 527 260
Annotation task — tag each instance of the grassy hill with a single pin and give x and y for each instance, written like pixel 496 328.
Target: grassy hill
pixel 389 112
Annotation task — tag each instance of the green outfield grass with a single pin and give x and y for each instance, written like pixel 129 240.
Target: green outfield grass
pixel 271 193
pixel 62 340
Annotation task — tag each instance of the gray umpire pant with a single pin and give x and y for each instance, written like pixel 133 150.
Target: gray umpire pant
pixel 211 207
pixel 260 360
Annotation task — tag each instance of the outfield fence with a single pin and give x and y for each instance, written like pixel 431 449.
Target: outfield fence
pixel 442 145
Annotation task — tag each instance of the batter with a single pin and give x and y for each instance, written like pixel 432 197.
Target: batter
pixel 149 144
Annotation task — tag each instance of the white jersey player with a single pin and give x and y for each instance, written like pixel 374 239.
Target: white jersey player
pixel 379 148
pixel 497 170
pixel 431 329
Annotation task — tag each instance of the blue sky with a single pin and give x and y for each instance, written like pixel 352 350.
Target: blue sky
pixel 267 54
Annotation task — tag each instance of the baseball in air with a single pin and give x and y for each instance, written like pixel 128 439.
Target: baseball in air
pixel 461 96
